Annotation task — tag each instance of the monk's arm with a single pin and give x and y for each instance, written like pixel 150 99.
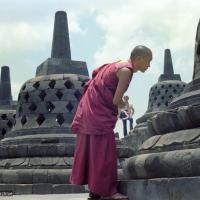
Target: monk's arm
pixel 124 75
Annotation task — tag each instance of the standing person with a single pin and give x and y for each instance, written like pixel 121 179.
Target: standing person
pixel 127 115
pixel 95 158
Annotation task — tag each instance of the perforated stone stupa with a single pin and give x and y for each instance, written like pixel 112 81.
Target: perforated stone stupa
pixel 37 155
pixel 7 105
pixel 39 150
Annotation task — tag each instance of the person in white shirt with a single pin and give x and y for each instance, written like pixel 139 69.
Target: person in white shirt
pixel 126 115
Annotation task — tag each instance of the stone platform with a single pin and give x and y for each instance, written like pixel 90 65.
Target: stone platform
pixel 184 188
pixel 46 197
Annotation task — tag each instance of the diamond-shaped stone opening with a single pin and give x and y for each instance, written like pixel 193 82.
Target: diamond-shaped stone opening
pixel 50 106
pixel 23 120
pixel 60 119
pixel 68 84
pixel 84 82
pixel 3 116
pixel 42 95
pixel 32 107
pixel 36 85
pixel 19 97
pixel 69 106
pixel 40 119
pixel 77 94
pixel 24 87
pixel 3 131
pixel 26 96
pixel 166 103
pixel 59 94
pixel 20 110
pixel 10 124
pixel 14 116
pixel 52 84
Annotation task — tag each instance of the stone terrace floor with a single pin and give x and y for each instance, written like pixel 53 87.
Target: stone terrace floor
pixel 47 197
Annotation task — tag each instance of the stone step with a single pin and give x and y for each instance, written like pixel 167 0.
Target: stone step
pixel 40 188
pixel 181 188
pixel 36 176
pixel 81 196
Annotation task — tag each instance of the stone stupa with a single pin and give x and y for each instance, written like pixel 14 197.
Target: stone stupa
pixel 166 165
pixel 7 105
pixel 37 155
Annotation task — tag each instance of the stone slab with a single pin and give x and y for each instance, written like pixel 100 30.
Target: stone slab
pixel 169 141
pixel 81 196
pixel 40 188
pixel 186 188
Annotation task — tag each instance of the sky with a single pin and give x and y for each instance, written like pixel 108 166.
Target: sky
pixel 101 31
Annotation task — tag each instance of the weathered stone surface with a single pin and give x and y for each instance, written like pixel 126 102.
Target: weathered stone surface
pixel 22 189
pixel 64 188
pixel 124 151
pixel 61 43
pixel 7 120
pixel 149 143
pixel 178 163
pixel 34 176
pixel 64 66
pixel 43 188
pixel 5 87
pixel 40 175
pixel 136 137
pixel 7 105
pixel 184 117
pixel 186 188
pixel 181 137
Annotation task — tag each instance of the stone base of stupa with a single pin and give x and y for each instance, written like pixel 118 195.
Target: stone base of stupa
pixel 184 188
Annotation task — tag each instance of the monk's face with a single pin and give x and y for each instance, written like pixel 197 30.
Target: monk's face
pixel 142 63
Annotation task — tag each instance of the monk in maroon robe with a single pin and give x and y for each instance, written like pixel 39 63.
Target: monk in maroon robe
pixel 95 159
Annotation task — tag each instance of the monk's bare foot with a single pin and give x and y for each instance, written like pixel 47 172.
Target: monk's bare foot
pixel 116 196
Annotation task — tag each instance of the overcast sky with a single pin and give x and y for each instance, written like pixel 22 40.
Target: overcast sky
pixel 101 31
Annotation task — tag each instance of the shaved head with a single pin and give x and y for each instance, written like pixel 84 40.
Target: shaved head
pixel 140 51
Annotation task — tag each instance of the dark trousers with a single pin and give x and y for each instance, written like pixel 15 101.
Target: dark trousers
pixel 125 125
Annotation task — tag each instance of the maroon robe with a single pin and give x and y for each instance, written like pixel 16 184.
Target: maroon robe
pixel 95 159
